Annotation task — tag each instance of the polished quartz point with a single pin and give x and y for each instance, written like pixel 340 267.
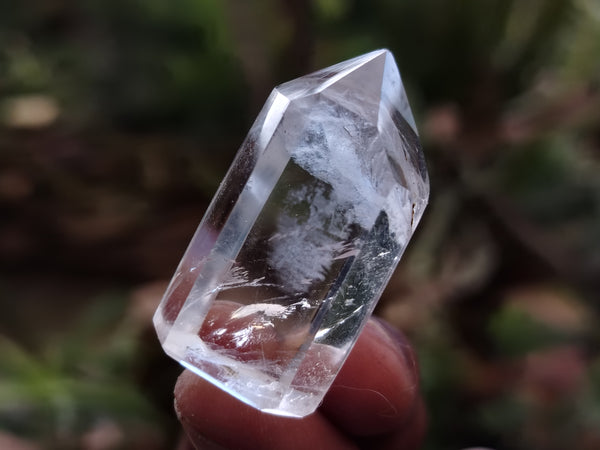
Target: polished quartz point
pixel 301 238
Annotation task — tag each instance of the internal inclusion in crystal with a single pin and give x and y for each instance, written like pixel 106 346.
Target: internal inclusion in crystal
pixel 301 238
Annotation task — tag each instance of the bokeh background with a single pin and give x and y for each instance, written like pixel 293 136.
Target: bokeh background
pixel 119 118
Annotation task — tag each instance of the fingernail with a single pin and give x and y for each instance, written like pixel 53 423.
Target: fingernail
pixel 401 342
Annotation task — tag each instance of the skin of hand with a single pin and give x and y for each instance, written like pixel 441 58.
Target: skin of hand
pixel 374 403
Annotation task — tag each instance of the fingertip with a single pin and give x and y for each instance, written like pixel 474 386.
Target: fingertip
pixel 186 398
pixel 213 418
pixel 399 341
pixel 374 397
pixel 377 388
pixel 181 385
pixel 412 435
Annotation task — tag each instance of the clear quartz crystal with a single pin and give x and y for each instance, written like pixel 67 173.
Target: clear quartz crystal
pixel 301 238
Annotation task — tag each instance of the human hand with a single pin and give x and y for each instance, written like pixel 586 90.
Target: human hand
pixel 374 403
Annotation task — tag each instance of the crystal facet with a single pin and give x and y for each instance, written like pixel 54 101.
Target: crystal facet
pixel 301 238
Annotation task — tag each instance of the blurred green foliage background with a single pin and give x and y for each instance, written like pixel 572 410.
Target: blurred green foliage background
pixel 119 118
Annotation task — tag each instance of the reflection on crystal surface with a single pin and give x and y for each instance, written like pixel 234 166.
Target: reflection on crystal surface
pixel 301 238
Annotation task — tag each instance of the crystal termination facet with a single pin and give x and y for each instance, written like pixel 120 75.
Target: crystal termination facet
pixel 301 238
